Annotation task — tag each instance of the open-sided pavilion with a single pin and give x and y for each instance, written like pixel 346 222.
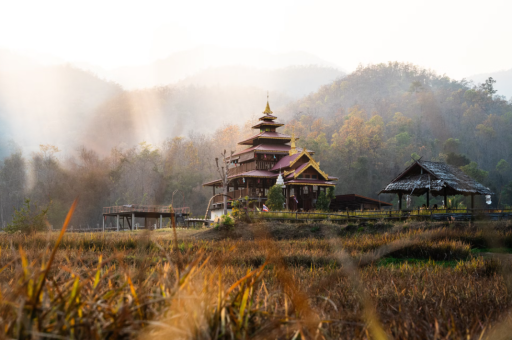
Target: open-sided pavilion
pixel 129 212
pixel 434 178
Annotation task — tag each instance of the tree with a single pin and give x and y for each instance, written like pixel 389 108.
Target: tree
pixel 451 145
pixel 488 86
pixel 28 219
pixel 275 198
pixel 322 203
pixel 12 185
pixel 503 167
pixel 223 172
pixel 457 160
pixel 330 194
pixel 506 194
pixel 473 171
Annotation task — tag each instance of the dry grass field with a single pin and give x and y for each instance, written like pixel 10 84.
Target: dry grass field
pixel 261 281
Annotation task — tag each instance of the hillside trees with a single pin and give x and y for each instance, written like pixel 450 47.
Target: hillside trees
pixel 419 112
pixel 363 129
pixel 12 185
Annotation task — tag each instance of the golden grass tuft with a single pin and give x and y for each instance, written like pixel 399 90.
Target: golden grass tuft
pixel 161 286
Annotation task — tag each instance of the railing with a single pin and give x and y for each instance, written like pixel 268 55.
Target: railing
pixel 239 169
pixel 440 214
pixel 134 208
pixel 264 165
pixel 233 195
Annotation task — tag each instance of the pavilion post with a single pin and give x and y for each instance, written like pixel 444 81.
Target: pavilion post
pixel 472 202
pixel 104 223
pixel 445 199
pixel 287 197
pixel 428 198
pixel 133 221
pixel 117 222
pixel 400 201
pixel 160 221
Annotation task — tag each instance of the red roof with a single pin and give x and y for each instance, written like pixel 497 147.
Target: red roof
pixel 267 123
pixel 302 166
pixel 252 173
pixel 255 173
pixel 267 117
pixel 269 148
pixel 266 134
pixel 309 182
pixel 285 162
pixel 360 199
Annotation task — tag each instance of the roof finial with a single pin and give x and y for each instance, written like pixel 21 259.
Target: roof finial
pixel 293 150
pixel 267 109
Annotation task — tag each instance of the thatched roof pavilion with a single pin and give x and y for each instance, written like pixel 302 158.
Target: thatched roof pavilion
pixel 436 178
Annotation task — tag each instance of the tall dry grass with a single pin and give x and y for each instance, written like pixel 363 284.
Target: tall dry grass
pixel 153 285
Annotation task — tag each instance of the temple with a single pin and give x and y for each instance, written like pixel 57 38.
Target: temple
pixel 269 158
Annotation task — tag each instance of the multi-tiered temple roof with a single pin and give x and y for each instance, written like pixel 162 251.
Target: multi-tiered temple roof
pixel 271 153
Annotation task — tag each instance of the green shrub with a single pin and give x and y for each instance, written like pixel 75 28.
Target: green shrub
pixel 275 199
pixel 227 221
pixel 29 219
pixel 322 203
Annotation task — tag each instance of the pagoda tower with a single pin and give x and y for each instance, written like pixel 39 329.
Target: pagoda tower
pixel 270 154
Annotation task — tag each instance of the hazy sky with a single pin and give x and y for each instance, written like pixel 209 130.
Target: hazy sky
pixel 459 38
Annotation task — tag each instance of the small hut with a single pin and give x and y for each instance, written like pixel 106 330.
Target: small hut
pixel 356 202
pixel 436 178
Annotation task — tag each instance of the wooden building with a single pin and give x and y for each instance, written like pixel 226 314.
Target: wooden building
pixel 357 202
pixel 434 178
pixel 270 154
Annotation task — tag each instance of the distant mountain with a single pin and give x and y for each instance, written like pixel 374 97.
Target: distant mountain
pixel 503 81
pixel 46 104
pixel 294 81
pixel 156 114
pixel 181 65
pixel 67 106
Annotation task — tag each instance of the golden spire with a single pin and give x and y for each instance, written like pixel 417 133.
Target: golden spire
pixel 267 109
pixel 293 150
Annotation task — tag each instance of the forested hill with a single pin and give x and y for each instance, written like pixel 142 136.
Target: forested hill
pixel 368 126
pixel 365 128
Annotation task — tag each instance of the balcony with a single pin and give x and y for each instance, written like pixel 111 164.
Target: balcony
pixel 251 192
pixel 265 165
pixel 240 169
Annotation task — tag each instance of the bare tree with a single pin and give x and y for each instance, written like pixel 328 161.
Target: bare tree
pixel 223 172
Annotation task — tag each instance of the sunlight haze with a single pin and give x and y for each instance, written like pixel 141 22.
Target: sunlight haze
pixel 459 38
